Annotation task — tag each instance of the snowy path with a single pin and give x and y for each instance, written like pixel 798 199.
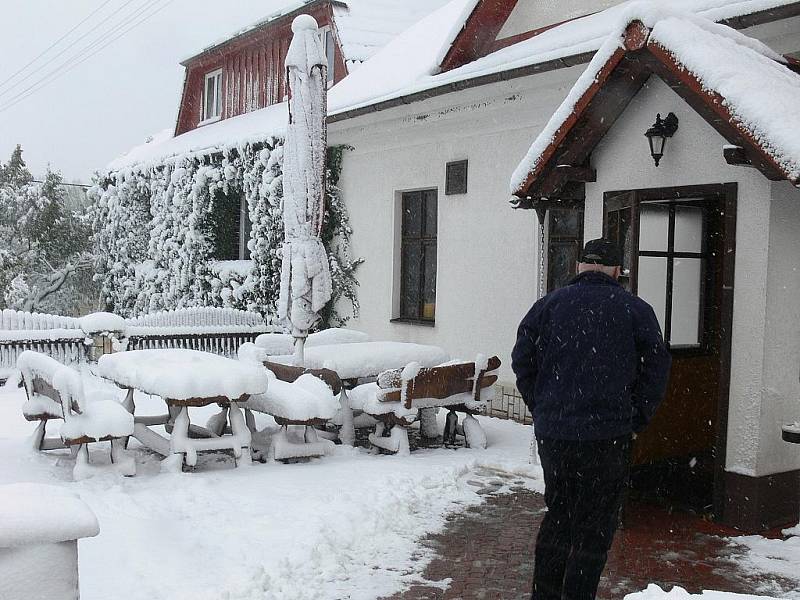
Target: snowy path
pixel 341 527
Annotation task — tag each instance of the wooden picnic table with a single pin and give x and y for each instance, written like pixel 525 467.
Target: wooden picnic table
pixel 364 360
pixel 184 379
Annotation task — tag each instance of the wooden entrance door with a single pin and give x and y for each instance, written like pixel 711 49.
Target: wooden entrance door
pixel 677 246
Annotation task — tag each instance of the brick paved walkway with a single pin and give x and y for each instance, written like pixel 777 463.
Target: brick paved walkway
pixel 487 553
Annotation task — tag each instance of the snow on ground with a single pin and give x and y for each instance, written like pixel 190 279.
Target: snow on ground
pixel 344 526
pixel 654 592
pixel 774 556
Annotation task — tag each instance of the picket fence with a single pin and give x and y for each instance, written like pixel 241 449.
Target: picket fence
pixel 67 339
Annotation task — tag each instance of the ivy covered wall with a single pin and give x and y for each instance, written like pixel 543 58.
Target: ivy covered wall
pixel 157 233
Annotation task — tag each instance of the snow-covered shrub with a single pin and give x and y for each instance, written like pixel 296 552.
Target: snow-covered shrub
pixel 157 230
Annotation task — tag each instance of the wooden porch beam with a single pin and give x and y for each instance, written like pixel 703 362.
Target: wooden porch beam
pixel 580 174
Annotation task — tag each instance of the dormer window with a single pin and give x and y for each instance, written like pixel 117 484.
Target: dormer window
pixel 212 96
pixel 329 48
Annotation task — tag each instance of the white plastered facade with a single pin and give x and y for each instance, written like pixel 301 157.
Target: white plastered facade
pixel 487 252
pixel 488 256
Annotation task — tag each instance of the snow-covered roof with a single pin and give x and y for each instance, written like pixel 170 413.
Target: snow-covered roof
pixel 366 26
pixel 363 26
pixel 409 64
pixel 741 79
pixel 234 132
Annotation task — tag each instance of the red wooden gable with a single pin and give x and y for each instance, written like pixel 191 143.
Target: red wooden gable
pixel 252 66
pixel 478 37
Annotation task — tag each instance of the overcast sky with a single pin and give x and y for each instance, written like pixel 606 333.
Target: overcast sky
pixel 89 115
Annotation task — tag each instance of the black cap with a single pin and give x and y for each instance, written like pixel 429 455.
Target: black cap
pixel 601 252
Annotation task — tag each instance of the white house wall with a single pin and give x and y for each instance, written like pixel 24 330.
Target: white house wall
pixel 487 252
pixel 694 157
pixel 781 397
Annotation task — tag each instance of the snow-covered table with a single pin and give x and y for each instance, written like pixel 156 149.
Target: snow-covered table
pixel 184 379
pixel 365 360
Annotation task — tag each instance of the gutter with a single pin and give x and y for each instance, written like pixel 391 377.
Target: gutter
pixel 741 22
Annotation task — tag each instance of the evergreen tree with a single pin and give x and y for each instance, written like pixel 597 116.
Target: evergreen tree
pixel 44 246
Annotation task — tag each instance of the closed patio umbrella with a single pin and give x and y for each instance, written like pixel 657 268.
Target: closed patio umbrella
pixel 305 276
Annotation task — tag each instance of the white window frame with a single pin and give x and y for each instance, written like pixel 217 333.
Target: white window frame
pixel 323 32
pixel 206 118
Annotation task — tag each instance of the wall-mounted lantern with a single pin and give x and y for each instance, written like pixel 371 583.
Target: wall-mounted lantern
pixel 657 135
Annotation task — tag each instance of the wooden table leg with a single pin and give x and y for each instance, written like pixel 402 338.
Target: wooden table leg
pixel 241 434
pixel 347 434
pixel 179 442
pixel 130 405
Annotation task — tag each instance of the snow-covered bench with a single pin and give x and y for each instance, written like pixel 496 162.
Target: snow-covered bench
pixel 55 391
pixel 400 395
pixel 295 396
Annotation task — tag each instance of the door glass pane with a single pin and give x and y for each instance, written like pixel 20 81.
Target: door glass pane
pixel 619 232
pixel 652 278
pixel 429 289
pixel 688 229
pixel 565 223
pixel 430 214
pixel 412 272
pixel 561 260
pixel 412 214
pixel 686 296
pixel 653 227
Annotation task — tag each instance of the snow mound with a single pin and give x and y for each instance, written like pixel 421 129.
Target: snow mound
pixel 43 514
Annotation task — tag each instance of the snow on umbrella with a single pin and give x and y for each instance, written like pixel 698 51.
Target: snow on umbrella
pixel 305 276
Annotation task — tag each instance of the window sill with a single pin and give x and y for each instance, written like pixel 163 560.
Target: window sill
pixel 409 321
pixel 209 121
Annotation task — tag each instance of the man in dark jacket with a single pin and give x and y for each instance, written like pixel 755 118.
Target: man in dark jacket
pixel 592 367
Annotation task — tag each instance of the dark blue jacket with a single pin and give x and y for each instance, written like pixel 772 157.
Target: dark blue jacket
pixel 590 361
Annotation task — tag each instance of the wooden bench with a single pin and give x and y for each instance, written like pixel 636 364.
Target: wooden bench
pixel 404 396
pixel 279 403
pixel 55 391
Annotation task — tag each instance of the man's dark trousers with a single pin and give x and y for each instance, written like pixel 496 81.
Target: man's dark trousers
pixel 584 483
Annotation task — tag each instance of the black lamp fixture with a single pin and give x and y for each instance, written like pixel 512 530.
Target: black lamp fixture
pixel 657 135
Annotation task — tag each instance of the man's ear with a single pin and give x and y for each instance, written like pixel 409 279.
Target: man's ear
pixel 617 272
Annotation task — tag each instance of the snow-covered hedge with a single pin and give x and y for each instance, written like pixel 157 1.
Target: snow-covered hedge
pixel 155 236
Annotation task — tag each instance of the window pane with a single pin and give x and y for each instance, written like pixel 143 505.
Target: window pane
pixel 565 223
pixel 686 294
pixel 688 229
pixel 411 274
pixel 226 220
pixel 431 215
pixel 652 278
pixel 654 227
pixel 429 291
pixel 209 104
pixel 412 214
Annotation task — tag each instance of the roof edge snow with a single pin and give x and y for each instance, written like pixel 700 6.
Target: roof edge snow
pixel 682 50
